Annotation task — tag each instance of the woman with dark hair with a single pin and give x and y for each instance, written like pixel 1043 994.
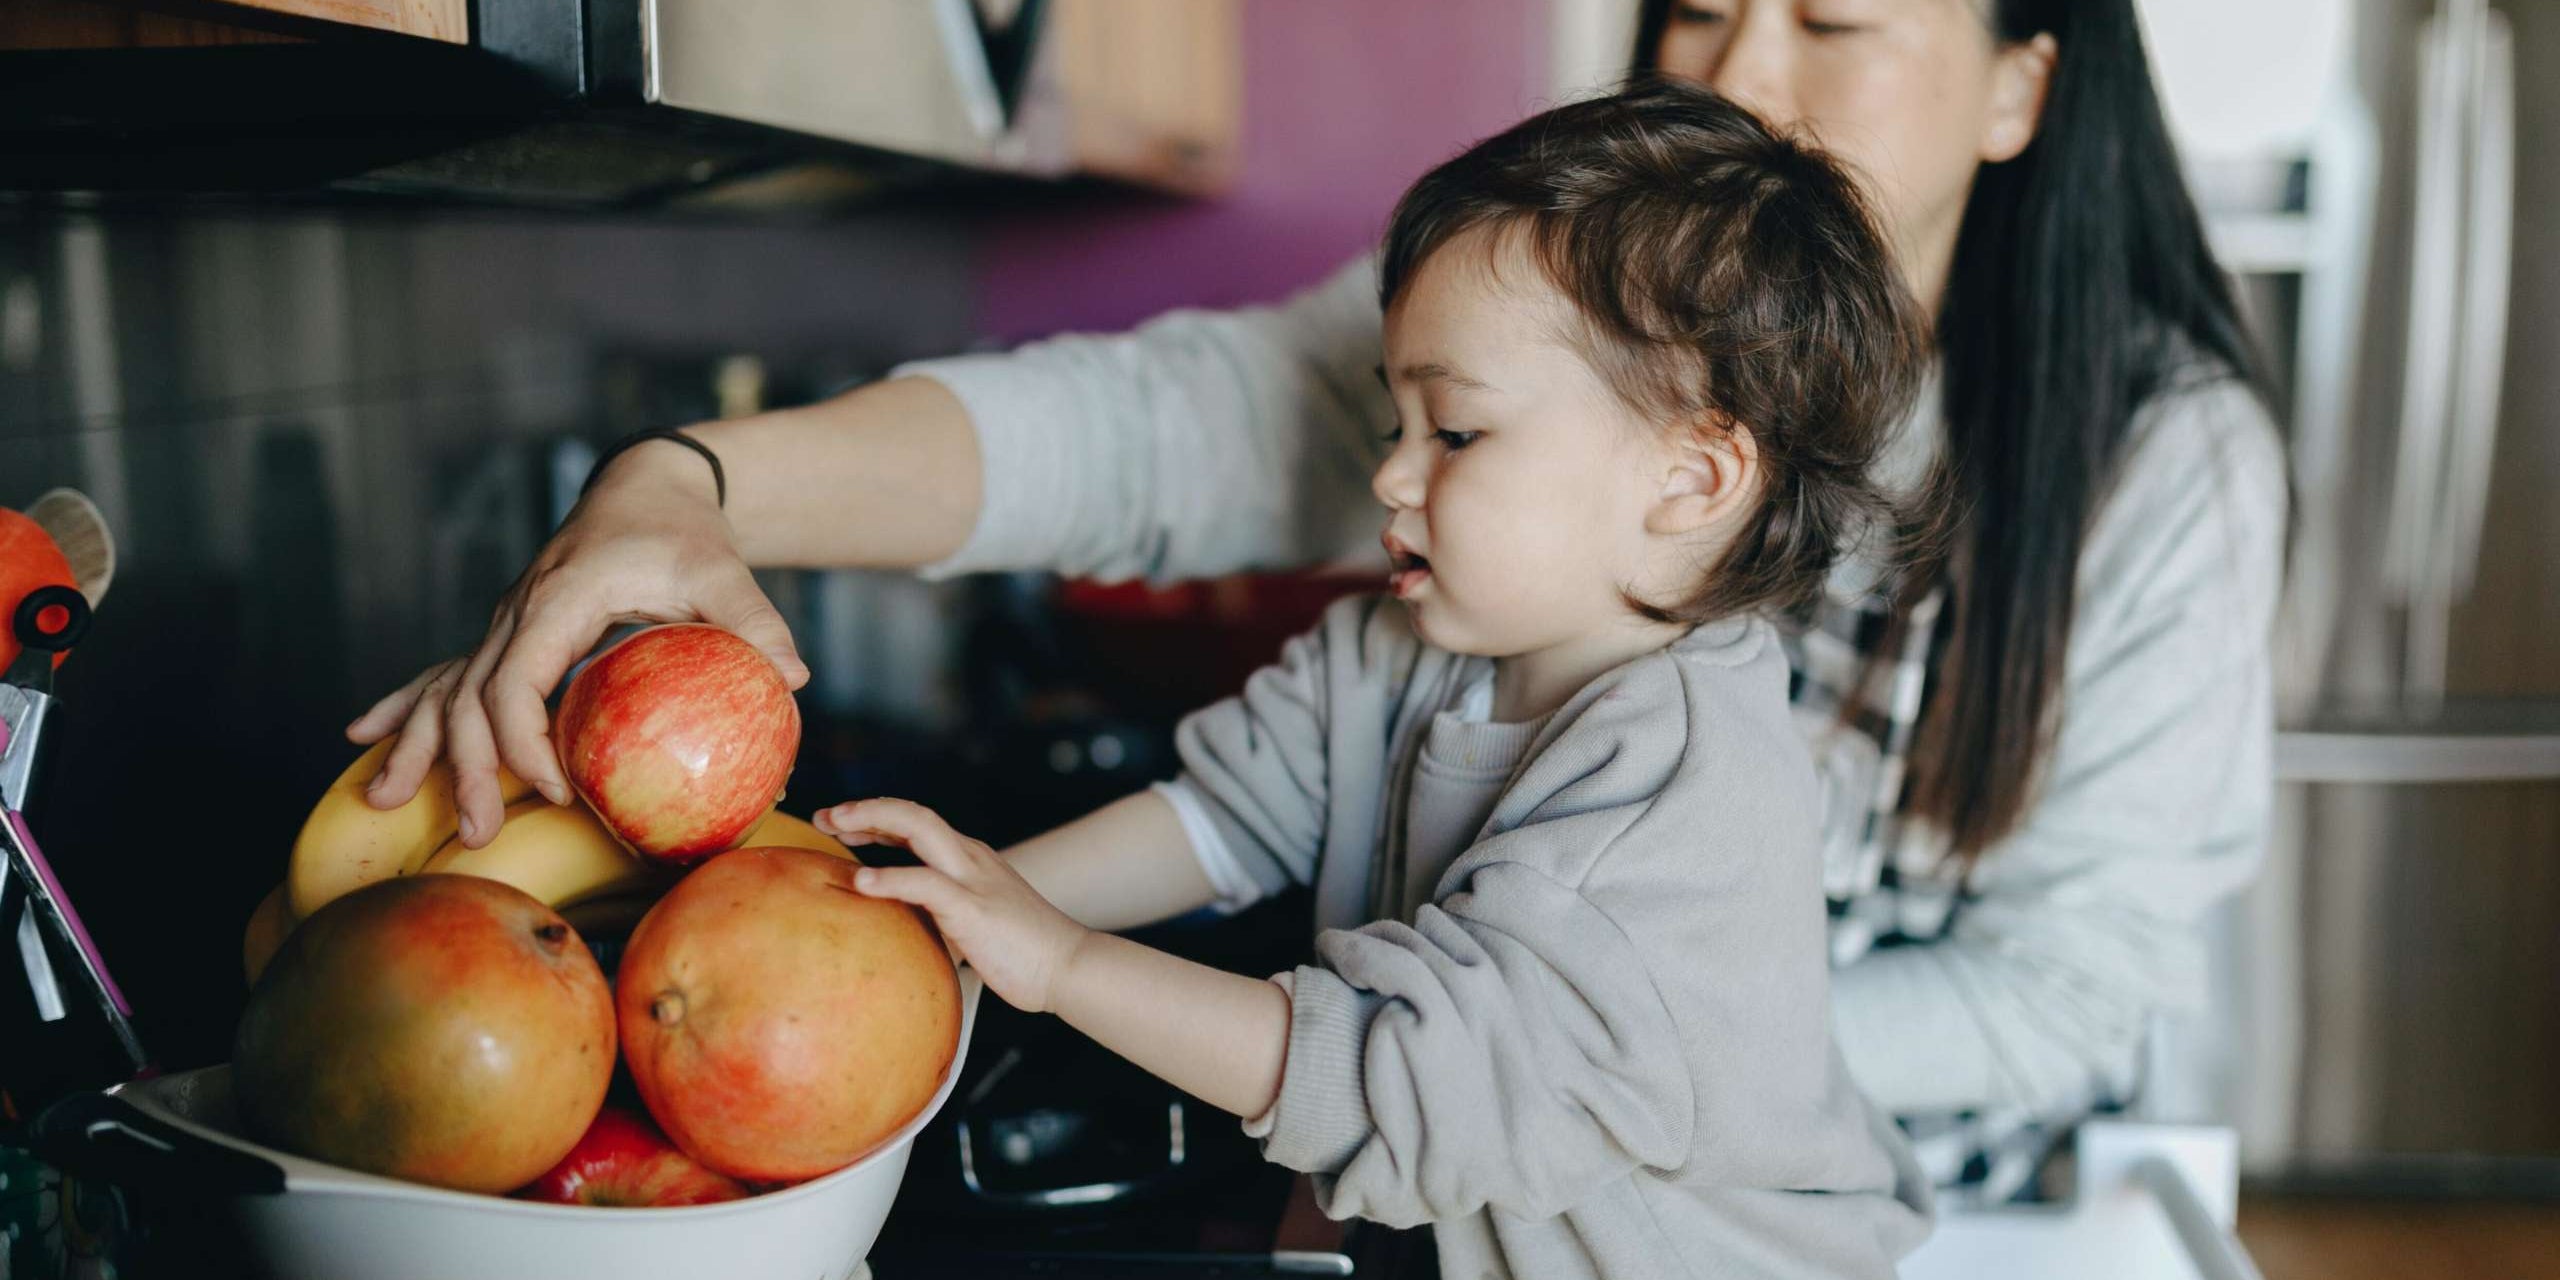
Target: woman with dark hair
pixel 2045 748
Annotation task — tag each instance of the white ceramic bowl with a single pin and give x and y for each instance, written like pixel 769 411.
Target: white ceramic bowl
pixel 331 1223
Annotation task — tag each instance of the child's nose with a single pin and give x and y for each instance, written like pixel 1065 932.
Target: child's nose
pixel 1397 483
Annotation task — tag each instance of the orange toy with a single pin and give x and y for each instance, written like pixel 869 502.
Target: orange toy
pixel 28 560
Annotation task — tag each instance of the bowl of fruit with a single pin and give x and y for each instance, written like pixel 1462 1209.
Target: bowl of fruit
pixel 436 1075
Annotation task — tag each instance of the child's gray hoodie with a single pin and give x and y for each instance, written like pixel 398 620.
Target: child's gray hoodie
pixel 1588 1034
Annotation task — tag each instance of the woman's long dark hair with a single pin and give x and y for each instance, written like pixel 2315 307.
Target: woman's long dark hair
pixel 2081 286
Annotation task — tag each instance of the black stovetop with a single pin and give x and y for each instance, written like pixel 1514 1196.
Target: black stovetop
pixel 1229 1227
pixel 1049 1108
pixel 1084 1267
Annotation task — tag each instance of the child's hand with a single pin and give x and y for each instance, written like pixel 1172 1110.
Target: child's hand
pixel 990 915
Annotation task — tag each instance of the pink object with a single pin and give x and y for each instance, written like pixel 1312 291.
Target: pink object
pixel 1346 103
pixel 89 953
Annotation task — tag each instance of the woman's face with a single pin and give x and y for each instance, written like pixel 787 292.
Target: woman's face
pixel 1913 94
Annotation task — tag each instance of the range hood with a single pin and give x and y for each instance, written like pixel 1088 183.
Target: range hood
pixel 605 104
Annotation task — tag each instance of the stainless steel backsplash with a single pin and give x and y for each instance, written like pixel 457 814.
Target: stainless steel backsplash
pixel 324 445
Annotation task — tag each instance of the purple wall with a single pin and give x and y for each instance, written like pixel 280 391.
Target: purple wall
pixel 1346 102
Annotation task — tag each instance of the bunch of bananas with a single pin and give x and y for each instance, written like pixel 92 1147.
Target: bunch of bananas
pixel 558 853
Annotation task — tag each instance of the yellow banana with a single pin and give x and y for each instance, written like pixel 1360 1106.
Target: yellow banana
pixel 779 828
pixel 346 844
pixel 613 917
pixel 558 853
pixel 618 915
pixel 268 926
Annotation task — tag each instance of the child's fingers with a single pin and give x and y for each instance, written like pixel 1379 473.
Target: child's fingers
pixel 907 823
pixel 856 837
pixel 884 818
pixel 919 886
pixel 825 819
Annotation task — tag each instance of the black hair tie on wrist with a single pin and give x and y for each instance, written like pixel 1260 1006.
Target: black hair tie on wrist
pixel 719 477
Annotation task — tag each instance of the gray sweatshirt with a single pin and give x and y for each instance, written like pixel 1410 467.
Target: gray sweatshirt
pixel 1206 442
pixel 1582 1024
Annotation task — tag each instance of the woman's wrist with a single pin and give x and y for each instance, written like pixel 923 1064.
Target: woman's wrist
pixel 660 468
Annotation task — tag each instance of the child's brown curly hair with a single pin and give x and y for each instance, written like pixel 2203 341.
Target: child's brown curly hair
pixel 1724 274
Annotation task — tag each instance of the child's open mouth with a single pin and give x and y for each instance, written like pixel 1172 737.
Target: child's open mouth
pixel 1407 571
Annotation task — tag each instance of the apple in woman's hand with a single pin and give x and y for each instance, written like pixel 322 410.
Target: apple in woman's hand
pixel 680 739
pixel 625 1162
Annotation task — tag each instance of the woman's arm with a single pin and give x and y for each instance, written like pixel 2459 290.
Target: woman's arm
pixel 1198 443
pixel 883 476
pixel 2154 808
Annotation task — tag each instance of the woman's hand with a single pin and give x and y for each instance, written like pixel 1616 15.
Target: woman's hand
pixel 991 916
pixel 649 543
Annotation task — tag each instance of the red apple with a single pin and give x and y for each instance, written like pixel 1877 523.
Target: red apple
pixel 680 739
pixel 779 1023
pixel 624 1162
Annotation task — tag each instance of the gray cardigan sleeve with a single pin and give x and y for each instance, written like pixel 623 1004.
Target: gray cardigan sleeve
pixel 2154 807
pixel 1270 764
pixel 1199 443
pixel 1506 1051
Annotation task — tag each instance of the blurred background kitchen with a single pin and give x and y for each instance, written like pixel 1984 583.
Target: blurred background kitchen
pixel 331 384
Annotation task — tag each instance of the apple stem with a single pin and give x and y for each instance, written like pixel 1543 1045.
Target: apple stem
pixel 552 935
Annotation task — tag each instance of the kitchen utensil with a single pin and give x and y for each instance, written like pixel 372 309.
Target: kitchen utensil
pixel 47 622
pixel 80 531
pixel 179 1136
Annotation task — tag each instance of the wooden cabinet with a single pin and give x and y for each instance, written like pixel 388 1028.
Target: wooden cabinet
pixel 115 24
pixel 616 103
pixel 1152 90
pixel 1141 91
pixel 448 20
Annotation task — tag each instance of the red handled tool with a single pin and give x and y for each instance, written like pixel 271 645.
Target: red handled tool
pixel 47 622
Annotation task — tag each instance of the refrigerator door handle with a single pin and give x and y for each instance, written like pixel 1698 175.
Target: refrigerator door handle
pixel 2487 255
pixel 2434 265
pixel 2460 238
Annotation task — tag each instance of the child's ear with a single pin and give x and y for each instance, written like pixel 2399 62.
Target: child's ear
pixel 1709 472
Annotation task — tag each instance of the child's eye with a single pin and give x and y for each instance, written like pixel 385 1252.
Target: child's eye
pixel 1695 15
pixel 1834 19
pixel 1394 434
pixel 1455 440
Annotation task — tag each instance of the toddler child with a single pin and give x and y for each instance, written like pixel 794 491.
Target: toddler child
pixel 1569 1004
